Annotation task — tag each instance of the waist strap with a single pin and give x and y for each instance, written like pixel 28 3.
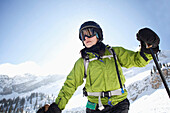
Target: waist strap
pixel 104 94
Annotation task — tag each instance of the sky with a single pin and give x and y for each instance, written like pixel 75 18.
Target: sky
pixel 41 36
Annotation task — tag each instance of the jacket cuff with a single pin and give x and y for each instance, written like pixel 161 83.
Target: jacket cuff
pixel 144 56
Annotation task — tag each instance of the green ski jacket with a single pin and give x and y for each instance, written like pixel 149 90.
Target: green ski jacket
pixel 101 76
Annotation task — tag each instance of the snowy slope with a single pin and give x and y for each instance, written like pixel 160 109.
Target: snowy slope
pixel 152 102
pixel 147 99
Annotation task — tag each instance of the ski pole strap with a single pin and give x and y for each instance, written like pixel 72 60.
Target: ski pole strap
pixel 117 70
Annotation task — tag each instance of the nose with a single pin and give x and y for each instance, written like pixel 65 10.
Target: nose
pixel 85 38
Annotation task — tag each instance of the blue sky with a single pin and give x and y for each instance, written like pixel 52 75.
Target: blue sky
pixel 46 31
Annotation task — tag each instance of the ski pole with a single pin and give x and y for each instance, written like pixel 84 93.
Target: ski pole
pixel 160 72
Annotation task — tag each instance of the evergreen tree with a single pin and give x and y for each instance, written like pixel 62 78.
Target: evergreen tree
pixel 13 101
pixel 32 95
pixel 54 99
pixel 22 102
pixel 41 96
pixel 5 102
pixel 160 65
pixel 22 110
pixel 10 109
pixel 10 102
pixel 48 98
pixel 17 99
pixel 35 105
pixel 36 94
pixel 1 108
pixel 31 100
pixel 6 110
pixel 166 64
pixel 151 72
pixel 16 105
pixel 17 110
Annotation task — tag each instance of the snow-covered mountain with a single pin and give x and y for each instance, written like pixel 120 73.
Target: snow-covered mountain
pixel 24 83
pixel 143 90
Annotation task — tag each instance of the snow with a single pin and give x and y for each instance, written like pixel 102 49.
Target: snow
pixel 157 102
pixel 138 77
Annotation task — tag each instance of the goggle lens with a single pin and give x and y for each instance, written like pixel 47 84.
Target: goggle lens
pixel 88 32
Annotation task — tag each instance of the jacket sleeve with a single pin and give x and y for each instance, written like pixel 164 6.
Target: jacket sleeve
pixel 74 79
pixel 128 58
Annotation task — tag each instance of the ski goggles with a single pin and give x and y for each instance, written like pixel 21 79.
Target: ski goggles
pixel 88 32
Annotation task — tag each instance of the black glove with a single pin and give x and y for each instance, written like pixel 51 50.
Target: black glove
pixel 41 110
pixel 147 50
pixel 149 37
pixel 53 108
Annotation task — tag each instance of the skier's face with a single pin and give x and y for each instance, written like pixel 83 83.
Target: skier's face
pixel 89 42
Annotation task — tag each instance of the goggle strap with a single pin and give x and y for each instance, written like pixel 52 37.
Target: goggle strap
pixel 97 35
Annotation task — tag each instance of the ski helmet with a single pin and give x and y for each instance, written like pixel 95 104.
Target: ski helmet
pixel 95 26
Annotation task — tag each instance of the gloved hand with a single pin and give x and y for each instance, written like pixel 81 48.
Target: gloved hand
pixel 53 108
pixel 148 39
pixel 43 109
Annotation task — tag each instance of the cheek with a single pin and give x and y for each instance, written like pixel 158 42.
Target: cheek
pixel 95 41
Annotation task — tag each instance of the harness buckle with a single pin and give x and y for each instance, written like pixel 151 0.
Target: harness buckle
pixel 106 94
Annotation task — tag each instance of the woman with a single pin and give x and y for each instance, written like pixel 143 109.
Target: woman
pixel 100 65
